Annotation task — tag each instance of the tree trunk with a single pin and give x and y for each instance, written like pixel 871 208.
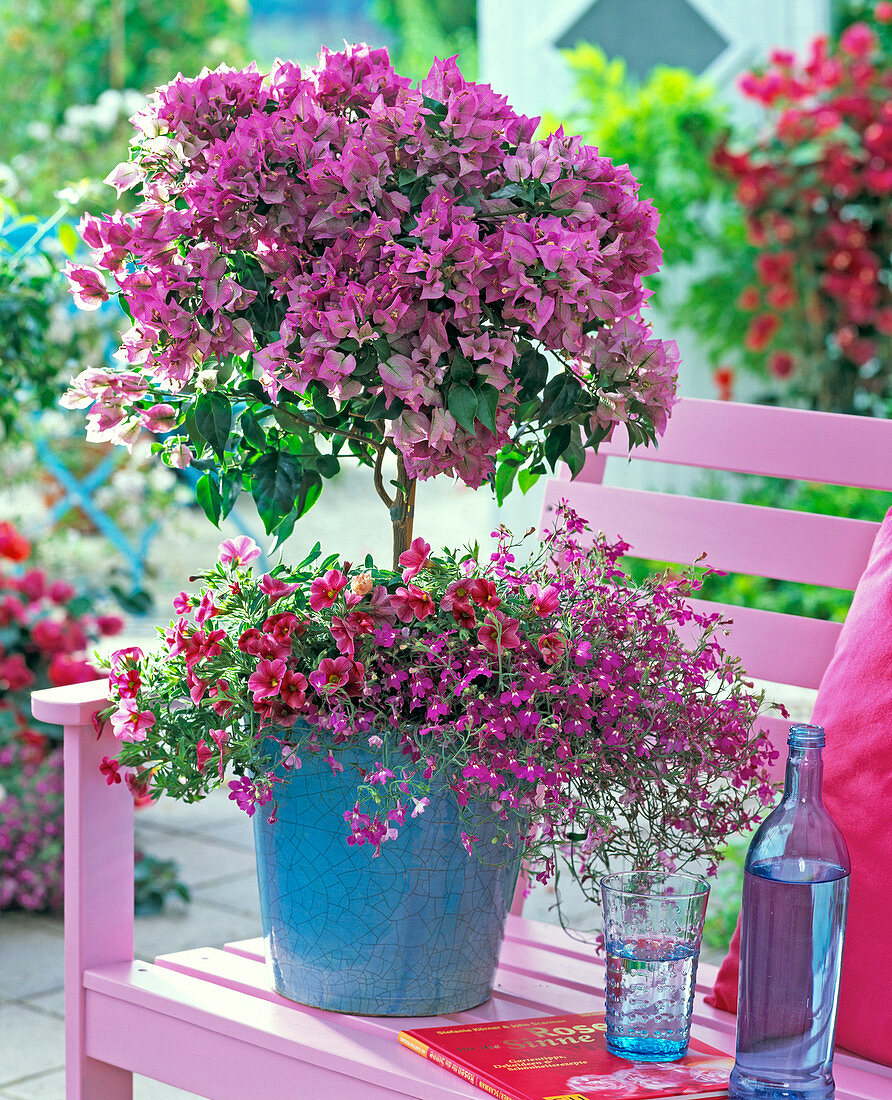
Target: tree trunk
pixel 402 514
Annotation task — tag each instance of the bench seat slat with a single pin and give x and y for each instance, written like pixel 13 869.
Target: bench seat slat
pixel 807 446
pixel 210 1008
pixel 223 1043
pixel 736 538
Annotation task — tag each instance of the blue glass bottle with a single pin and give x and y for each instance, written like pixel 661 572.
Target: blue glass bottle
pixel 795 892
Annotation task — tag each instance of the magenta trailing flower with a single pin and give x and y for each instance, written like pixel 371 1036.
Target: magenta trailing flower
pixel 336 256
pixel 549 690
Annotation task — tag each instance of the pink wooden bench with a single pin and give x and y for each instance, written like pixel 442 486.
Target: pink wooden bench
pixel 204 1021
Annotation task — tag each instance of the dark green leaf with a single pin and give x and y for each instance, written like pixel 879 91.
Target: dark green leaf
pixel 556 443
pixel 230 490
pixel 207 492
pixel 213 419
pixel 310 491
pixel 597 437
pixel 376 410
pixel 574 453
pixel 434 105
pixel 327 465
pixel 276 481
pixel 510 191
pixel 461 369
pixel 252 430
pixel 251 387
pixel 531 369
pixel 487 401
pixel 462 403
pixel 322 402
pixel 285 527
pixel 549 395
pixel 565 401
pixel 394 409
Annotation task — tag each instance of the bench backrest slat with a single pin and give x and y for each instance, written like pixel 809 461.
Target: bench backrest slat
pixel 791 444
pixel 761 439
pixel 737 538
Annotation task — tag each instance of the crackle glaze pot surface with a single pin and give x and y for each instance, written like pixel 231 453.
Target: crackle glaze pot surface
pixel 413 932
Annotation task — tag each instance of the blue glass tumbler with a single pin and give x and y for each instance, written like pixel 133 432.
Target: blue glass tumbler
pixel 795 893
pixel 653 924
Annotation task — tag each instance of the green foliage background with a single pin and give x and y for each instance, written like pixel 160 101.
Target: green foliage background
pixel 425 29
pixel 665 128
pixel 58 54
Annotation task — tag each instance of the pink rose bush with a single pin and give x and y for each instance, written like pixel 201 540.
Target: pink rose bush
pixel 814 189
pixel 591 717
pixel 337 265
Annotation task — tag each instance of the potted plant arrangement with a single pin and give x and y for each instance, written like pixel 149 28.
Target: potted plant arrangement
pixel 336 265
pixel 383 727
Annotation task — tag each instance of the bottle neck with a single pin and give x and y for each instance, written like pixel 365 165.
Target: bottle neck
pixel 805 775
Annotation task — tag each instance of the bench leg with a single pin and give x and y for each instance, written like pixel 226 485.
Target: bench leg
pixel 98 897
pixel 87 1079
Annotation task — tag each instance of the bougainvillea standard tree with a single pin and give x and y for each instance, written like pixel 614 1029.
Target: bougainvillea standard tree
pixel 335 264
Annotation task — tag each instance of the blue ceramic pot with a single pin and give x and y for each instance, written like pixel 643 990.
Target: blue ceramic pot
pixel 413 932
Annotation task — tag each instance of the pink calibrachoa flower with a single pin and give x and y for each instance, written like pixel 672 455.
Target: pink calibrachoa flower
pixel 411 603
pixel 206 609
pixel 325 590
pixel 498 633
pixel 415 558
pixel 457 599
pixel 129 723
pixel 111 769
pixel 203 753
pixel 266 681
pixel 552 646
pixel 294 689
pixel 274 588
pixel 220 739
pixel 332 674
pixel 484 593
pixel 239 551
pixel 182 603
pixel 545 600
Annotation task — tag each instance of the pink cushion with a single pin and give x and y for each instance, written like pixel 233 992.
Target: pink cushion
pixel 854 705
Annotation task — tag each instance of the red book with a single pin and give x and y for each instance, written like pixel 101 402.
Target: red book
pixel 565 1058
